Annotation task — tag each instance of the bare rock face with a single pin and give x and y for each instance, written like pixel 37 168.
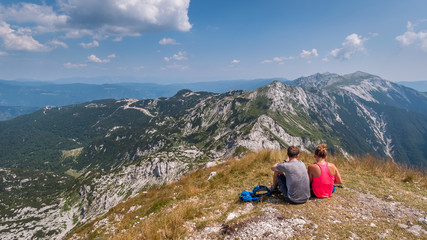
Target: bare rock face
pixel 112 188
pixel 266 133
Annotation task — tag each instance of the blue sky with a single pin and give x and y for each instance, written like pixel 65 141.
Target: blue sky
pixel 203 40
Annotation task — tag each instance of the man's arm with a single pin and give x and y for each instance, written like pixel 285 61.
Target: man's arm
pixel 310 172
pixel 274 169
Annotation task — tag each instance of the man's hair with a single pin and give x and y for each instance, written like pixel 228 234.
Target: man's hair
pixel 293 151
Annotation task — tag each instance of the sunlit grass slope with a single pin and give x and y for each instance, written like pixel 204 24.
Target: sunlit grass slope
pixel 194 204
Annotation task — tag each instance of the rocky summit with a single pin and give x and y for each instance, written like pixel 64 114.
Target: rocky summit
pixel 116 149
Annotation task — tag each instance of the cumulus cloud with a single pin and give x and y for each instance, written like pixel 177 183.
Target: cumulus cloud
pixel 181 55
pixel 309 54
pixel 92 44
pixel 43 16
pixel 95 59
pixel 19 39
pixel 235 61
pixel 74 65
pixel 168 41
pixel 411 37
pixel 98 18
pixel 352 44
pixel 127 17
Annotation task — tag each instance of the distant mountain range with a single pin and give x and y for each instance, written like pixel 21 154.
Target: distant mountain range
pixel 420 86
pixel 25 96
pixel 117 148
pixel 20 97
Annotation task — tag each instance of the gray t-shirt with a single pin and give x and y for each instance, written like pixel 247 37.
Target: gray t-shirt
pixel 297 181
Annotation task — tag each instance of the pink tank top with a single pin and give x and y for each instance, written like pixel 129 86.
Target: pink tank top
pixel 323 185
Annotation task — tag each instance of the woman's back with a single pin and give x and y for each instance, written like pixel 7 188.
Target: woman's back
pixel 322 184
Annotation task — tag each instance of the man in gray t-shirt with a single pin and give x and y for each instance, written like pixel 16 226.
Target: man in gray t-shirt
pixel 294 183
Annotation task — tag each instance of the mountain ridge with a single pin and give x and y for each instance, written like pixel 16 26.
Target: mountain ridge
pixel 299 111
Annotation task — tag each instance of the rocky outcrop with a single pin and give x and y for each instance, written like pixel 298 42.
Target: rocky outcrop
pixel 103 192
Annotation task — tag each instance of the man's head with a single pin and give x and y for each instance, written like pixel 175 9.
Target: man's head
pixel 293 152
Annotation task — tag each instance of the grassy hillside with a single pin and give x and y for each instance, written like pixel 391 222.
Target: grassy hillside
pixel 378 200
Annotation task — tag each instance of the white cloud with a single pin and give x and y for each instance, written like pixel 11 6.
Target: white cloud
pixel 181 55
pixel 43 16
pixel 175 66
pixel 410 37
pixel 267 61
pixel 168 41
pixel 56 42
pixel 138 68
pixel 374 34
pixel 74 65
pixel 235 61
pixel 94 58
pixel 3 53
pixel 127 17
pixel 98 18
pixel 92 44
pixel 352 44
pixel 277 59
pixel 19 40
pixel 78 33
pixel 117 39
pixel 309 54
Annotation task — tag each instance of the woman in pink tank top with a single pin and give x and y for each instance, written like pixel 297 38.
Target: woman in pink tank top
pixel 322 174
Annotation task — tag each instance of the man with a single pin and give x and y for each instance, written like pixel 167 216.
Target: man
pixel 291 178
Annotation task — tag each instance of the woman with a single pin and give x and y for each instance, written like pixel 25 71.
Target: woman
pixel 322 174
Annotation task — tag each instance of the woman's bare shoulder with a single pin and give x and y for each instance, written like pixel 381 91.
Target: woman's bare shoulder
pixel 312 166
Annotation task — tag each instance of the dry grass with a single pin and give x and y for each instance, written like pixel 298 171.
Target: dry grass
pixel 165 212
pixel 384 168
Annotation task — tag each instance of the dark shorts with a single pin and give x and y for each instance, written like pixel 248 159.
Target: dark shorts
pixel 314 195
pixel 281 181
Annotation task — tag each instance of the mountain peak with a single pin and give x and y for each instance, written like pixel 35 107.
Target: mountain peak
pixel 319 80
pixel 322 80
pixel 359 74
pixel 183 93
pixel 276 83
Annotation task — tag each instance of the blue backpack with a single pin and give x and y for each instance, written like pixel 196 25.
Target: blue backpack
pixel 256 194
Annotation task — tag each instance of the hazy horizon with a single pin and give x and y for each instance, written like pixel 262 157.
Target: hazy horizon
pixel 126 79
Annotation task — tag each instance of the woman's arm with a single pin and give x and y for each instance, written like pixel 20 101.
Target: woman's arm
pixel 338 179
